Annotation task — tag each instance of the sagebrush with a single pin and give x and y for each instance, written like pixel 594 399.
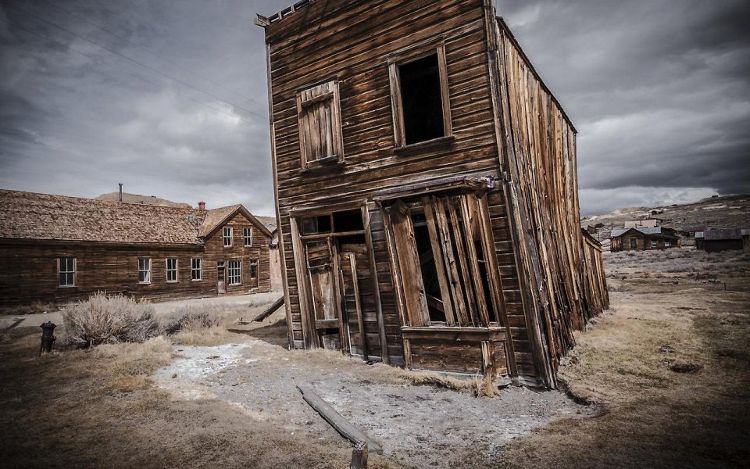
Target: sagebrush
pixel 108 319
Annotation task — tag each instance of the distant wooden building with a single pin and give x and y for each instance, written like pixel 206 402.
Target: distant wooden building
pixel 715 240
pixel 426 190
pixel 643 238
pixel 56 248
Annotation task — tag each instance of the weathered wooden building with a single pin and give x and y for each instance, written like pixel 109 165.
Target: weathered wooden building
pixel 643 238
pixel 426 189
pixel 56 248
pixel 728 239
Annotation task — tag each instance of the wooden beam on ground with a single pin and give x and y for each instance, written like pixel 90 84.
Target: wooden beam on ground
pixel 339 423
pixel 269 311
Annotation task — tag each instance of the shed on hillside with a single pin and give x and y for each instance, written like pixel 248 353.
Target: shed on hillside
pixel 715 240
pixel 426 190
pixel 643 238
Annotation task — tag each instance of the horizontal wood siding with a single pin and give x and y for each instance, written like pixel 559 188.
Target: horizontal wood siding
pixel 351 41
pixel 28 271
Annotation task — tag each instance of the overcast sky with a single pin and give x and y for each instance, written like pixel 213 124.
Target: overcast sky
pixel 169 97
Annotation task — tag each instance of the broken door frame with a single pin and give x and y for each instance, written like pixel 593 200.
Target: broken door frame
pixel 307 320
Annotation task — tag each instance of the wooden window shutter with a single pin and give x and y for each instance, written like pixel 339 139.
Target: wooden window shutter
pixel 319 119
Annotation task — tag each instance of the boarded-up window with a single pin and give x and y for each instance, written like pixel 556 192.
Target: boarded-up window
pixel 66 271
pixel 419 97
pixel 445 255
pixel 319 119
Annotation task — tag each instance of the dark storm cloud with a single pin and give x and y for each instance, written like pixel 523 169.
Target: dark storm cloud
pixel 166 97
pixel 658 90
pixel 170 97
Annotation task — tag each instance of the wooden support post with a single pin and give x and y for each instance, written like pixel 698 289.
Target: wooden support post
pixel 359 456
pixel 339 423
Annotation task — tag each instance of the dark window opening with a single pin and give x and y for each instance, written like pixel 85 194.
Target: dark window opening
pixel 350 220
pixel 351 239
pixel 314 225
pixel 421 99
pixel 429 270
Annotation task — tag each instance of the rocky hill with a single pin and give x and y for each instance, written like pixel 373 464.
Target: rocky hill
pixel 142 199
pixel 715 212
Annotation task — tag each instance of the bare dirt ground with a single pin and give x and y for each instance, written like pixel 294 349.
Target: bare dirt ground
pixel 666 370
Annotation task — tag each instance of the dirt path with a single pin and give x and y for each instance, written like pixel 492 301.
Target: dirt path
pixel 418 426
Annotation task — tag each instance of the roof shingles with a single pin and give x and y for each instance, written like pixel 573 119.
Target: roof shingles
pixel 26 215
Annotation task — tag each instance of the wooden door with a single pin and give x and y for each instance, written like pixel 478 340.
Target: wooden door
pixel 220 271
pixel 322 266
pixel 353 261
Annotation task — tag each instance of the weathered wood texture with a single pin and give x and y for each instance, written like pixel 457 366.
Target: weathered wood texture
pixel 353 46
pixel 28 268
pixel 540 158
pixel 503 122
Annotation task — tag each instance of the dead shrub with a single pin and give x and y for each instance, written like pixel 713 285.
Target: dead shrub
pixel 429 378
pixel 191 318
pixel 485 387
pixel 105 319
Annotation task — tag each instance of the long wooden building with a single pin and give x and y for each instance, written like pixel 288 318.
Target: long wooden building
pixel 57 249
pixel 426 190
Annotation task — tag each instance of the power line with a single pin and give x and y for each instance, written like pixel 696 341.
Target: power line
pixel 147 67
pixel 167 60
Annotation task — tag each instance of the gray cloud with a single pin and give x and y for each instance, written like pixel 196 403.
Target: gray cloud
pixel 658 91
pixel 170 97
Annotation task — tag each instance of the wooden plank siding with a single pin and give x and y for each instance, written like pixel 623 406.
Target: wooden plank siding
pixel 28 268
pixel 357 56
pixel 503 127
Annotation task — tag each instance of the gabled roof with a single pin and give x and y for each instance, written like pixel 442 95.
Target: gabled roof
pixel 218 216
pixel 28 215
pixel 722 235
pixel 646 230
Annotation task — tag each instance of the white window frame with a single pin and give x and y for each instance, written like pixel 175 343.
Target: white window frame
pixel 147 270
pixel 228 236
pixel 174 270
pixel 247 234
pixel 194 269
pixel 234 274
pixel 66 272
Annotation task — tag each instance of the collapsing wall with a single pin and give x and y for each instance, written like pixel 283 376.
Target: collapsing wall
pixel 542 192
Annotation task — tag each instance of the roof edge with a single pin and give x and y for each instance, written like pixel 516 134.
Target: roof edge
pixel 505 28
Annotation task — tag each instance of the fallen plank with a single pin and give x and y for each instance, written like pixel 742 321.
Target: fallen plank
pixel 339 423
pixel 269 311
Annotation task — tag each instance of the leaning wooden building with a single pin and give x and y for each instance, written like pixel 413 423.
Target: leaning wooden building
pixel 426 190
pixel 57 249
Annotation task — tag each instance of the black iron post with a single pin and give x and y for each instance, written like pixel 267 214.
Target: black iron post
pixel 48 337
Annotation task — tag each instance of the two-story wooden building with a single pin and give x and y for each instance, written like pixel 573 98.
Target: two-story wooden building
pixel 426 189
pixel 56 248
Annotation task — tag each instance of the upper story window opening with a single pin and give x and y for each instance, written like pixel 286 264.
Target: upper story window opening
pixel 248 237
pixel 419 97
pixel 228 234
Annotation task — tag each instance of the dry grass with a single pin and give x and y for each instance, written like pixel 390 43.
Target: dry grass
pixel 653 416
pixel 108 319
